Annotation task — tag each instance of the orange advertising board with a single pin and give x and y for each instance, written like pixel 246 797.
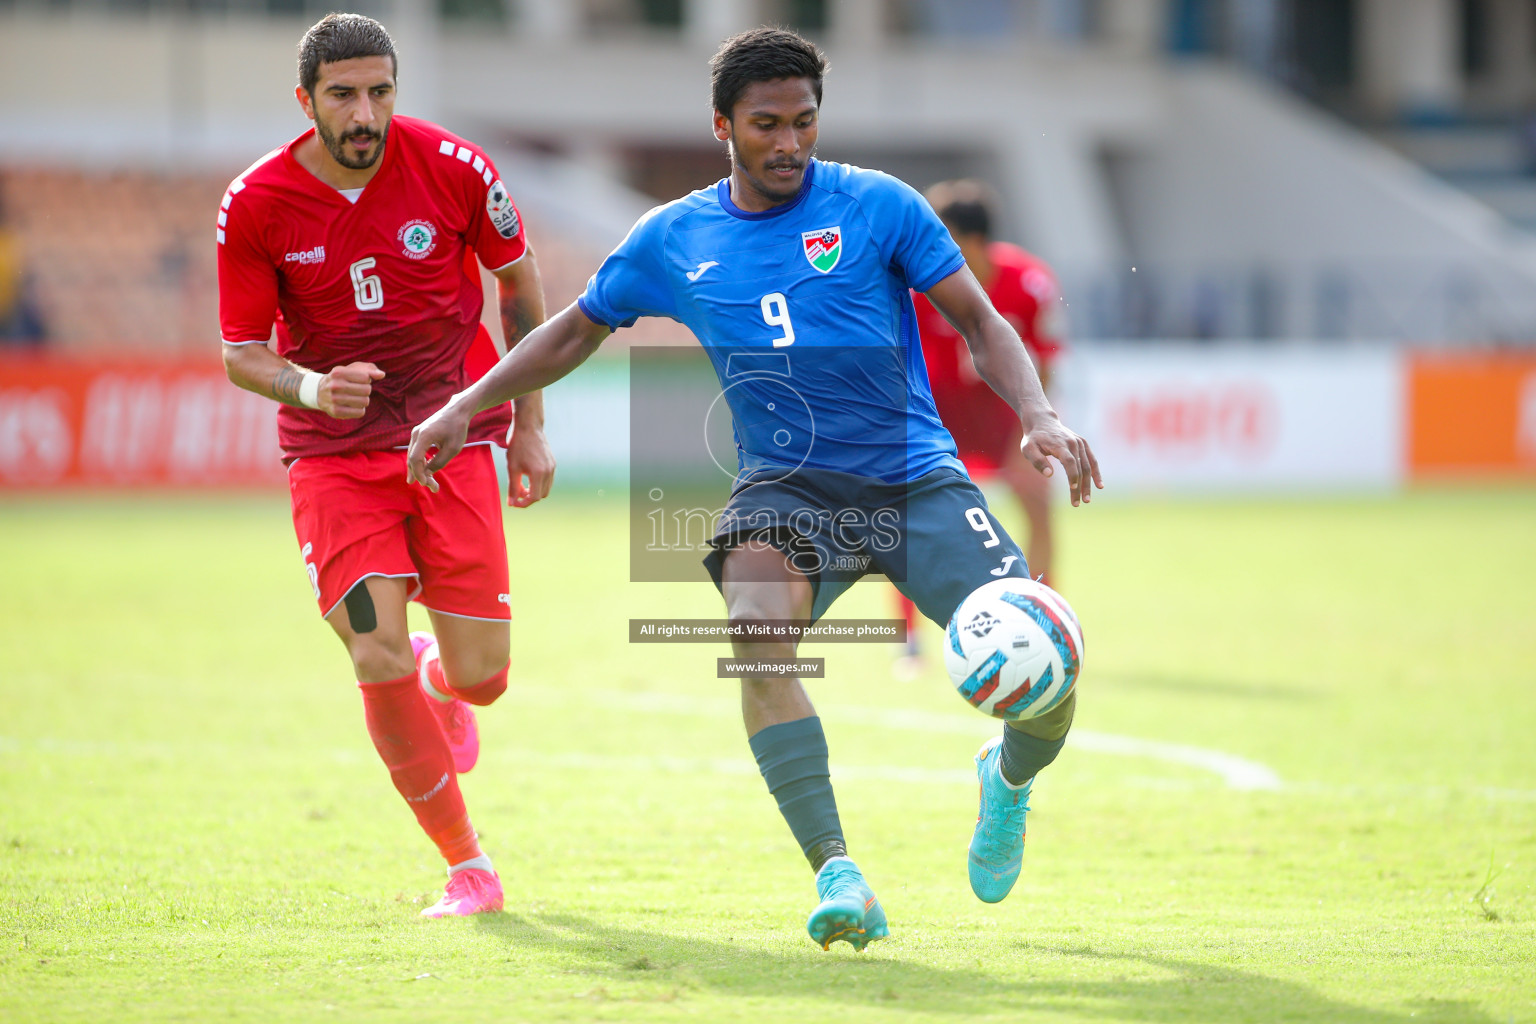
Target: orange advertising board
pixel 1471 414
pixel 131 423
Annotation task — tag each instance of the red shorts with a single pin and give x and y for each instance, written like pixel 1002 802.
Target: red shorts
pixel 355 516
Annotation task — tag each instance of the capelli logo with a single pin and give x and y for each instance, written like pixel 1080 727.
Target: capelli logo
pixel 315 255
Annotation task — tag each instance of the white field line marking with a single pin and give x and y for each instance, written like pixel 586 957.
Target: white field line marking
pixel 1236 772
pixel 732 766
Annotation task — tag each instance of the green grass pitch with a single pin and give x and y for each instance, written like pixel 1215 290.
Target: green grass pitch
pixel 194 827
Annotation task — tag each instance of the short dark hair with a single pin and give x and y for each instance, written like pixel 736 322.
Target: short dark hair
pixel 964 205
pixel 342 37
pixel 762 55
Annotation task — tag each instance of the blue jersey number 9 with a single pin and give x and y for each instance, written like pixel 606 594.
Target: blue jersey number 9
pixel 776 314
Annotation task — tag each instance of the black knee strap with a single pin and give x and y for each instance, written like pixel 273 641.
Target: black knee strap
pixel 361 615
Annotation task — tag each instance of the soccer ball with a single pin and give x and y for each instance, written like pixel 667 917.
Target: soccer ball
pixel 1013 649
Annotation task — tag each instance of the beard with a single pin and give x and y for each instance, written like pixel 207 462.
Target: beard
pixel 774 193
pixel 344 155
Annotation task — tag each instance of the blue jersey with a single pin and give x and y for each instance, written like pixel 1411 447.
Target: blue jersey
pixel 806 314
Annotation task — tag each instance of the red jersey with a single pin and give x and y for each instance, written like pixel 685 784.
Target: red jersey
pixel 1024 291
pixel 387 280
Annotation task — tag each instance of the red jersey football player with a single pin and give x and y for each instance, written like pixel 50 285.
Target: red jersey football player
pixel 359 240
pixel 986 431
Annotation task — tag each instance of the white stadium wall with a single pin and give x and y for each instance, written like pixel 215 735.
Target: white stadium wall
pixel 1196 417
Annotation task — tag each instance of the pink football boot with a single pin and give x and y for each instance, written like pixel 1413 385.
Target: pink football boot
pixel 470 891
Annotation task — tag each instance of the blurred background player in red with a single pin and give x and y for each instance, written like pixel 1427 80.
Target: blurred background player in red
pixel 1023 289
pixel 360 240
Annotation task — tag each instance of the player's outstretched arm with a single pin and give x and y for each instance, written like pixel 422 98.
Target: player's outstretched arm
pixel 1002 361
pixel 548 353
pixel 343 393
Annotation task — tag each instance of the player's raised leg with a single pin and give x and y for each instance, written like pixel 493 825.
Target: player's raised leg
pixel 457 542
pixel 954 545
pixel 463 662
pixel 371 622
pixel 1006 767
pixel 759 585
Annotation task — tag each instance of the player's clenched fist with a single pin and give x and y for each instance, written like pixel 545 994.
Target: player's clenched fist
pixel 344 392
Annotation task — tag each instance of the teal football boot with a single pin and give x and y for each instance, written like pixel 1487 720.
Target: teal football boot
pixel 997 845
pixel 849 910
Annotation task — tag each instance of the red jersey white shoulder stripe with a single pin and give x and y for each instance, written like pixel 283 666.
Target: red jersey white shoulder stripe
pixel 236 187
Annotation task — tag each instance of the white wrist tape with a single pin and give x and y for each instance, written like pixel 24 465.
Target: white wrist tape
pixel 309 389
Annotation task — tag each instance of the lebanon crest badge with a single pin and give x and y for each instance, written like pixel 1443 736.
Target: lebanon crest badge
pixel 823 247
pixel 417 239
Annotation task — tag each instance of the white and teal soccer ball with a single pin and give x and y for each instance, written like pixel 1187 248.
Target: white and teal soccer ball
pixel 1013 649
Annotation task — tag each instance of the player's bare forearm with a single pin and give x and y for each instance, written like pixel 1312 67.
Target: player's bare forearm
pixel 1002 361
pixel 255 367
pixel 520 301
pixel 530 462
pixel 343 393
pixel 996 349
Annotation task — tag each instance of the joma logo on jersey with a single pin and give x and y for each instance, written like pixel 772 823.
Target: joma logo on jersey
pixel 418 237
pixel 823 247
pixel 315 255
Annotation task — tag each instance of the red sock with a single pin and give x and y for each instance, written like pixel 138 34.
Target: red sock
pixel 408 739
pixel 481 694
pixel 458 843
pixel 909 615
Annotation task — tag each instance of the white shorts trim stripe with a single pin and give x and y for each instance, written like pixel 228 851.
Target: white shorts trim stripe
pixel 396 448
pixel 403 447
pixel 456 615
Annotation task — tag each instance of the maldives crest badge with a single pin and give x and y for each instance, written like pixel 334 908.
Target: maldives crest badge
pixel 823 247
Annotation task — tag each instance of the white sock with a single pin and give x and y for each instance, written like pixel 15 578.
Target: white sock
pixel 481 862
pixel 426 686
pixel 1010 785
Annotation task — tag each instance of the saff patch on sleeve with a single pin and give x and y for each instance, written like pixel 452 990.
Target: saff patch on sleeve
pixel 498 206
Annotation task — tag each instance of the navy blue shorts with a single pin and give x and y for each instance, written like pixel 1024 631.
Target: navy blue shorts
pixel 934 537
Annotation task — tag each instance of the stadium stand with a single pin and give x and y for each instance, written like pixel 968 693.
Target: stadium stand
pixel 125 258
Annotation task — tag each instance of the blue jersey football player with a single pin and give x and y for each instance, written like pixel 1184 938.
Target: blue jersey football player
pixel 795 274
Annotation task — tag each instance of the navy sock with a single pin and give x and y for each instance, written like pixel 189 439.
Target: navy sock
pixel 793 759
pixel 1024 755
